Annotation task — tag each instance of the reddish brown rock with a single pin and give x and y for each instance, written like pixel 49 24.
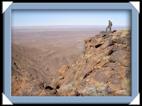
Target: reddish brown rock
pixel 105 70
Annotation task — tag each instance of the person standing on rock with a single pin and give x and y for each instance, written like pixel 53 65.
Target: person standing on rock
pixel 109 26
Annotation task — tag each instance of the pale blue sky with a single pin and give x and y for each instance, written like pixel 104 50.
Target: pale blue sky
pixel 47 18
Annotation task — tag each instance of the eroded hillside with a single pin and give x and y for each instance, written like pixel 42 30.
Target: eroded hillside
pixel 102 69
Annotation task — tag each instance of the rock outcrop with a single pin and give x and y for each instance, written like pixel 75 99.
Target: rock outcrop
pixel 103 69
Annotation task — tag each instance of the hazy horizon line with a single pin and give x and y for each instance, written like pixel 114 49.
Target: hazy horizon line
pixel 68 25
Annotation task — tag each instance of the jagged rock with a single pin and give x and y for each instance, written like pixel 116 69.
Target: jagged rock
pixel 103 70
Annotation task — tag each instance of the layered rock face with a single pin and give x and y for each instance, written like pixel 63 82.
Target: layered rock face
pixel 103 69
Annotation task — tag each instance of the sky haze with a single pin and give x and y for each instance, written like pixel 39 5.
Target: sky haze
pixel 70 17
